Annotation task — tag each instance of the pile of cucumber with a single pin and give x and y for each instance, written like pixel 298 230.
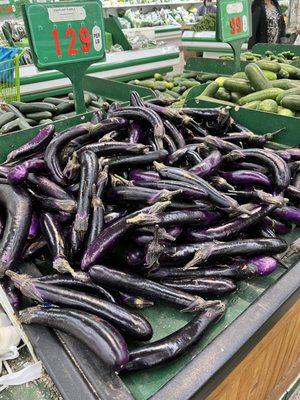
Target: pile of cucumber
pixel 20 115
pixel 284 57
pixel 175 87
pixel 259 88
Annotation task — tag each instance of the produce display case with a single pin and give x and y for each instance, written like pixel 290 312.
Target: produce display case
pixel 253 310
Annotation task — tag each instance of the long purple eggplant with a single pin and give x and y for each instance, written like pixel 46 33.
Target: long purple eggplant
pixel 218 198
pixel 35 144
pixel 47 187
pixel 16 204
pixel 56 243
pixel 144 114
pixel 97 334
pixel 54 148
pixel 174 133
pixel 277 166
pixel 136 132
pixel 229 229
pixel 209 165
pixel 114 232
pixel 202 286
pixel 113 148
pixel 53 204
pixel 147 288
pixel 68 281
pixel 133 161
pixel 88 176
pixel 19 173
pixel 288 214
pixel 247 178
pixel 172 346
pixel 134 302
pixel 142 194
pixel 140 175
pixel 130 323
pixel 200 252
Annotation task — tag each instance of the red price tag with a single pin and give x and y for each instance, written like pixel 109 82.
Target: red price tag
pixel 74 47
pixel 236 25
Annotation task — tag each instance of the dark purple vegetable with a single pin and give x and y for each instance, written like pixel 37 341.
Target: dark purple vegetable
pixel 68 281
pixel 88 176
pixel 147 289
pixel 247 178
pixel 71 170
pixel 136 132
pixel 97 334
pixel 136 100
pixel 35 144
pixel 144 114
pixel 48 187
pixel 135 302
pixel 174 133
pixel 279 227
pixel 288 214
pixel 114 232
pixel 193 157
pixel 229 229
pixel 53 150
pixel 56 243
pixel 31 248
pixel 142 194
pixel 168 143
pixel 130 161
pixel 140 175
pixel 186 189
pixel 16 205
pixel 293 192
pixel 113 148
pixel 4 170
pixel 201 252
pixel 218 198
pixel 53 204
pixel 97 117
pixel 217 143
pixel 134 325
pixel 19 173
pixel 192 217
pixel 34 226
pixel 209 165
pixel 277 166
pixel 12 293
pixel 170 347
pixel 135 257
pixel 202 286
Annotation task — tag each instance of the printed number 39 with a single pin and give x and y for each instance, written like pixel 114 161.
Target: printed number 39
pixel 236 25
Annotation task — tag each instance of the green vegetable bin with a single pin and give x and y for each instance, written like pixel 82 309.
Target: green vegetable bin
pixel 252 310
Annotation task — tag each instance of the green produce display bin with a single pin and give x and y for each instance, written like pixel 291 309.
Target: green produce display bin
pixel 258 121
pixel 252 310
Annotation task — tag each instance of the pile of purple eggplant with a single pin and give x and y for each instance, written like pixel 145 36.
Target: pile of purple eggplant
pixel 144 204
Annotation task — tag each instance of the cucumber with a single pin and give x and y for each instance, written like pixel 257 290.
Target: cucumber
pixel 159 86
pixel 292 102
pixel 37 107
pixel 271 93
pixel 268 105
pixel 239 75
pixel 87 98
pixel 65 107
pixel 158 77
pixel 37 116
pixel 17 104
pixel 97 104
pixel 189 75
pixel 206 77
pixel 210 90
pixel 31 122
pixel 92 95
pixel 223 94
pixel 285 111
pixel 190 83
pixel 237 85
pixel 252 105
pixel 292 70
pixel 295 90
pixel 11 126
pixel 235 96
pixel 222 102
pixel 46 121
pixel 271 76
pixel 256 77
pixel 268 65
pixel 219 81
pixel 23 124
pixel 6 118
pixel 173 94
pixel 284 84
pixel 53 100
pixel 282 74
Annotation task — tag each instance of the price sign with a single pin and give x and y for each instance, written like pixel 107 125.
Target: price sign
pixel 65 33
pixel 234 20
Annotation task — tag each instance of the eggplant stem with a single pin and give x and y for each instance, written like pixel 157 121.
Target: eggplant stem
pixel 200 256
pixel 200 304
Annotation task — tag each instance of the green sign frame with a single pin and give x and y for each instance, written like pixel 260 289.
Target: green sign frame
pixel 68 37
pixel 234 20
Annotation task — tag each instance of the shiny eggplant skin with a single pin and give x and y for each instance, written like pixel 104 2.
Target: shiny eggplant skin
pixel 177 343
pixel 97 334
